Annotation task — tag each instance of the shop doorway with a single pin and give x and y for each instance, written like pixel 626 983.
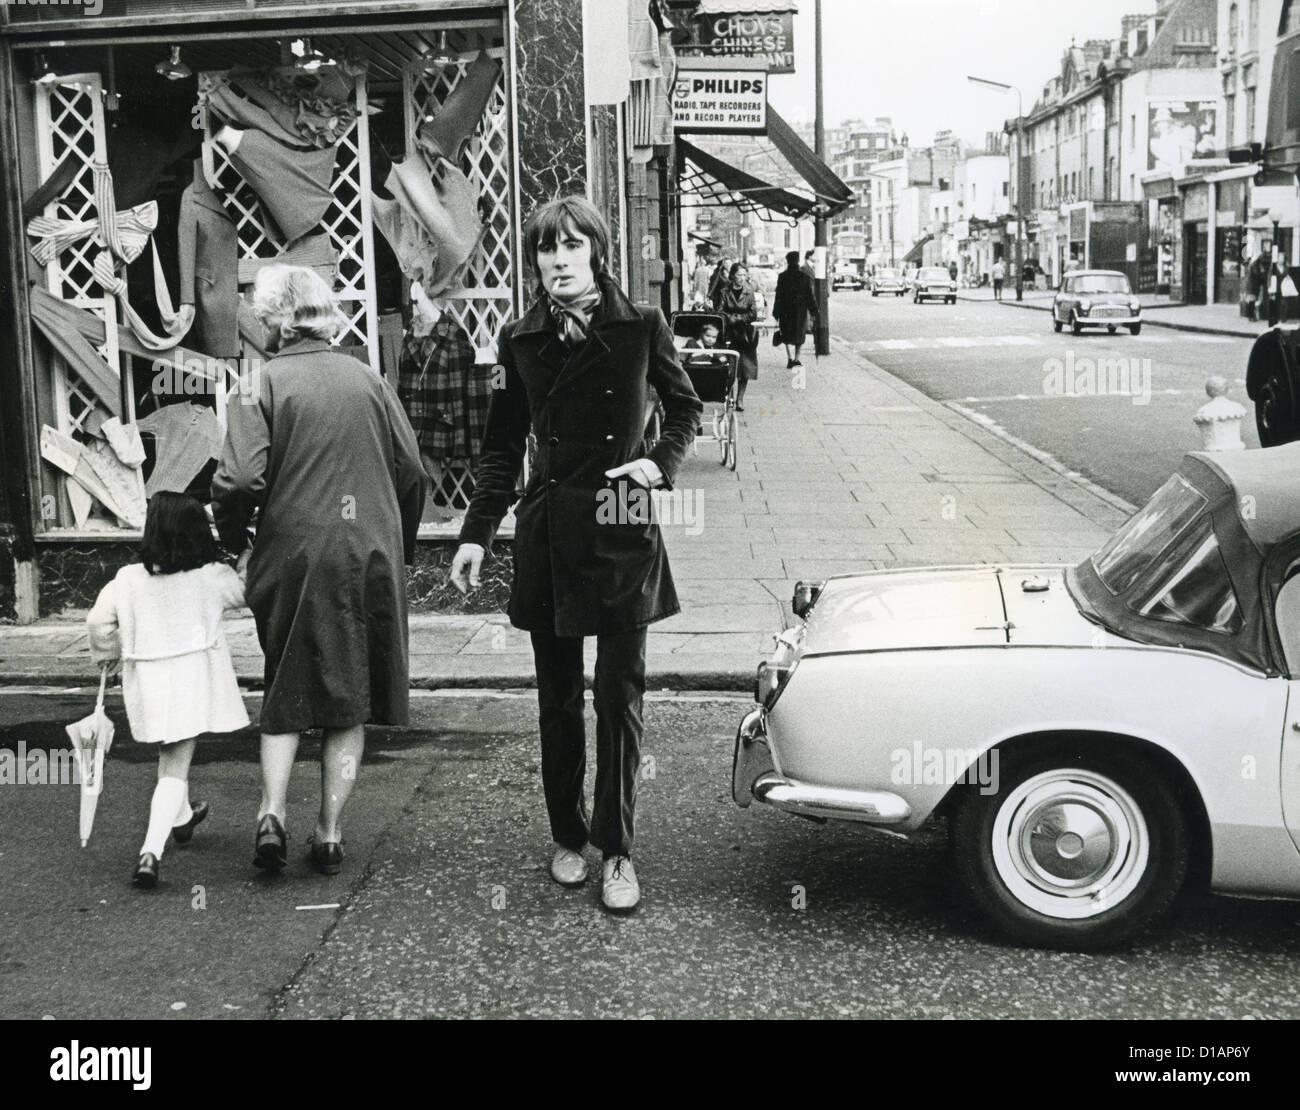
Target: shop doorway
pixel 1196 255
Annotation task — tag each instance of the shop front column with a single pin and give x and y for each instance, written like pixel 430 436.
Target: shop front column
pixel 550 107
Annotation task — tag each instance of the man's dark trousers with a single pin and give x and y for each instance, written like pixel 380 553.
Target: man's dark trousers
pixel 997 289
pixel 617 694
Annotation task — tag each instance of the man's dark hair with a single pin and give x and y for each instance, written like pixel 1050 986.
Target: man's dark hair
pixel 567 214
pixel 176 535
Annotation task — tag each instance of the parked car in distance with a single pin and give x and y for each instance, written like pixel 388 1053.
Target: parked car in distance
pixel 887 280
pixel 1091 733
pixel 1096 299
pixel 847 277
pixel 934 283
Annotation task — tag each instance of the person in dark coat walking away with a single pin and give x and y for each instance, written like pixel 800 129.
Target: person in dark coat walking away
pixel 589 558
pixel 739 311
pixel 718 282
pixel 794 304
pixel 326 457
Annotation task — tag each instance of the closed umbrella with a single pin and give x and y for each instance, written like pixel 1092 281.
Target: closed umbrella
pixel 91 738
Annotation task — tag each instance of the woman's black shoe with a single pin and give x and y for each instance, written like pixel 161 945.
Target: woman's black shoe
pixel 326 856
pixel 271 849
pixel 146 872
pixel 184 833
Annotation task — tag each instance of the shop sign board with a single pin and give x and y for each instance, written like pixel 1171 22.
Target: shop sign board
pixel 720 102
pixel 1180 130
pixel 740 34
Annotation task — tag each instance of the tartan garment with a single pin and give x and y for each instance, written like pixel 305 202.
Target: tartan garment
pixel 444 394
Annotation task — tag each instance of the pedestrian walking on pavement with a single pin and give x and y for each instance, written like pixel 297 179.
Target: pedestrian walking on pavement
pixel 999 276
pixel 807 266
pixel 327 459
pixel 161 619
pixel 794 306
pixel 718 282
pixel 739 311
pixel 589 559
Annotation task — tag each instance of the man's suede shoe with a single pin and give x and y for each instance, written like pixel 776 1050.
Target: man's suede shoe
pixel 568 868
pixel 620 892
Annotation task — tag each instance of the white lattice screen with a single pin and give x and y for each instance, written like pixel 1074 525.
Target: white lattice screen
pixel 347 220
pixel 70 123
pixel 485 300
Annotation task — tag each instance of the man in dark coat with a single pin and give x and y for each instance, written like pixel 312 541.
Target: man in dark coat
pixel 327 458
pixel 589 558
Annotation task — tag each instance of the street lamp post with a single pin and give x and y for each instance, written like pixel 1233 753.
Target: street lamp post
pixel 1275 271
pixel 1020 151
pixel 822 332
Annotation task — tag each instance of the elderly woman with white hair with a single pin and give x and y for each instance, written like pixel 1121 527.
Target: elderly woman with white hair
pixel 322 452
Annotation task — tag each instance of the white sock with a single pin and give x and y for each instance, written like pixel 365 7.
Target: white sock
pixel 184 813
pixel 167 798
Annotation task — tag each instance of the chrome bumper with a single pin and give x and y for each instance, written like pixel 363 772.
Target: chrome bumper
pixel 1108 321
pixel 753 775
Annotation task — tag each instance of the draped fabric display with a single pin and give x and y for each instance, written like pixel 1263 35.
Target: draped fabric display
pixel 430 217
pixel 444 394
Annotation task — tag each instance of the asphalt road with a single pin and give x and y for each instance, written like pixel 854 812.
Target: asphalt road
pixel 444 907
pixel 994 362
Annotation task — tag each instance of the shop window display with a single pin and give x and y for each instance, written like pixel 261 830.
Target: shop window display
pixel 151 206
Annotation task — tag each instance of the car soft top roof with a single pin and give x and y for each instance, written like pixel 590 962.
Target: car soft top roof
pixel 1253 498
pixel 1266 488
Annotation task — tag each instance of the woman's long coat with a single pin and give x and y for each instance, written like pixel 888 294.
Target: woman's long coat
pixel 794 302
pixel 588 557
pixel 328 457
pixel 739 310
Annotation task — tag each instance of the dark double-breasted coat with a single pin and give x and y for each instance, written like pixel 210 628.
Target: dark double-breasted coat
pixel 588 558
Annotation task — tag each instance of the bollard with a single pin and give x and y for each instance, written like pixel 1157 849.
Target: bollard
pixel 1219 419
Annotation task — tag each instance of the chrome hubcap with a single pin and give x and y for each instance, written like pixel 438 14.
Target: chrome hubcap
pixel 1070 843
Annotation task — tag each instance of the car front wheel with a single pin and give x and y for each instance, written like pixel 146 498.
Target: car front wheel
pixel 1135 329
pixel 1071 851
pixel 1076 328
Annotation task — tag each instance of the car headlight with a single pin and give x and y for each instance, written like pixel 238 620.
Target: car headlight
pixel 805 597
pixel 1135 306
pixel 1085 306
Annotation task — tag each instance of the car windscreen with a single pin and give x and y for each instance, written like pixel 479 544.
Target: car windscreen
pixel 887 275
pixel 1188 583
pixel 933 273
pixel 1101 283
pixel 1147 534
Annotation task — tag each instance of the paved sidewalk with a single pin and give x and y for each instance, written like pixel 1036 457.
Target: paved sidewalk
pixel 1207 319
pixel 850 470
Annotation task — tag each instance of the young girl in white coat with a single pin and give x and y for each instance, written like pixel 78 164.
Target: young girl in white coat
pixel 162 618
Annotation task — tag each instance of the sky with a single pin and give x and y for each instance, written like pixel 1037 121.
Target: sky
pixel 908 59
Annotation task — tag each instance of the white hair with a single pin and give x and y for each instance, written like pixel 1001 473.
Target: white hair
pixel 295 303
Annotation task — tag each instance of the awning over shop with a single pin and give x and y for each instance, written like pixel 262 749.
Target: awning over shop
pixel 914 255
pixel 1283 152
pixel 830 191
pixel 720 182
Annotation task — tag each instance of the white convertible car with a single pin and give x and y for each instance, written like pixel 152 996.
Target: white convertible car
pixel 1091 733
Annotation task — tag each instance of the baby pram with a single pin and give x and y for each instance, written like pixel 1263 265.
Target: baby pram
pixel 713 372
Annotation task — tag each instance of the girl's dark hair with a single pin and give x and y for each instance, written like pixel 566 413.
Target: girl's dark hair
pixel 176 535
pixel 567 214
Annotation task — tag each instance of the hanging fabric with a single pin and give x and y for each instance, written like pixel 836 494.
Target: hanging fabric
pixel 445 395
pixel 293 185
pixel 186 436
pixel 125 235
pixel 431 221
pixel 446 134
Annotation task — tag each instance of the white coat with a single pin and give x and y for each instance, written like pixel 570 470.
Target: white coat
pixel 177 678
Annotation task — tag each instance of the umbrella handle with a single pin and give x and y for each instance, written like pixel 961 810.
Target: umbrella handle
pixel 103 682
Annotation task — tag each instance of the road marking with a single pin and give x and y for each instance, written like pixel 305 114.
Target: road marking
pixel 322 906
pixel 932 342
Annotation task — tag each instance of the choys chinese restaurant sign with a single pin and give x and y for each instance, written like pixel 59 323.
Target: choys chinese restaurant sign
pixel 720 102
pixel 765 35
